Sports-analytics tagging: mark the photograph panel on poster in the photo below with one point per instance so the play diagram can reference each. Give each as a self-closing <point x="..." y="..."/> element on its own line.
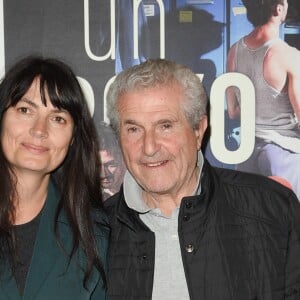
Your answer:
<point x="99" y="39"/>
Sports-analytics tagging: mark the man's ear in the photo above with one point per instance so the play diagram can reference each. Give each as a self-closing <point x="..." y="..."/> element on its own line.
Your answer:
<point x="199" y="132"/>
<point x="278" y="10"/>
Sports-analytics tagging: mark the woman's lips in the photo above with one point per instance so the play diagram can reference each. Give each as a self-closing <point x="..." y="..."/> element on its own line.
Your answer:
<point x="35" y="148"/>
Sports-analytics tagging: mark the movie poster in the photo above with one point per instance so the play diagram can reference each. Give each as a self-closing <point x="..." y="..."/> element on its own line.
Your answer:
<point x="100" y="38"/>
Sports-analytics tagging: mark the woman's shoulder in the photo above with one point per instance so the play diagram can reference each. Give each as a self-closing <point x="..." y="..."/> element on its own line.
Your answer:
<point x="101" y="230"/>
<point x="100" y="221"/>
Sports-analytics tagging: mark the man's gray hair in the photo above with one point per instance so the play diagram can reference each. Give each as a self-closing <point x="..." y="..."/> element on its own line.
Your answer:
<point x="157" y="73"/>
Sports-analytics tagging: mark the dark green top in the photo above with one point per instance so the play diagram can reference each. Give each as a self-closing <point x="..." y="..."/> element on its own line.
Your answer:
<point x="25" y="236"/>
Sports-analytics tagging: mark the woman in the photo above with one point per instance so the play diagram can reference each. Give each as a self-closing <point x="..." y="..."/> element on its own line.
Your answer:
<point x="53" y="234"/>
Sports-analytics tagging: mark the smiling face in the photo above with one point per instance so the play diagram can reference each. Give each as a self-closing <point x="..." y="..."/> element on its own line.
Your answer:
<point x="35" y="137"/>
<point x="159" y="146"/>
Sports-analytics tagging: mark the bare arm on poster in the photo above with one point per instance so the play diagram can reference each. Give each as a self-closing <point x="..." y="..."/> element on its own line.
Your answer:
<point x="233" y="105"/>
<point x="293" y="72"/>
<point x="286" y="77"/>
<point x="286" y="61"/>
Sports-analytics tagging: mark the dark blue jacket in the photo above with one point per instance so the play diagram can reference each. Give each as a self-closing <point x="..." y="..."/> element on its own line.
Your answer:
<point x="240" y="240"/>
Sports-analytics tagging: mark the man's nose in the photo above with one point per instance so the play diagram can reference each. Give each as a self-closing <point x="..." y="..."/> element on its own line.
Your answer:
<point x="151" y="143"/>
<point x="105" y="172"/>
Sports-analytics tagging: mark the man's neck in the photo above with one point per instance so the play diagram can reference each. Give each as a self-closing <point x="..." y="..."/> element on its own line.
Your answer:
<point x="167" y="202"/>
<point x="262" y="34"/>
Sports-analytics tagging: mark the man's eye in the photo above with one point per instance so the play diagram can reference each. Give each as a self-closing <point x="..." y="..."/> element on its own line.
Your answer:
<point x="112" y="165"/>
<point x="166" y="126"/>
<point x="132" y="129"/>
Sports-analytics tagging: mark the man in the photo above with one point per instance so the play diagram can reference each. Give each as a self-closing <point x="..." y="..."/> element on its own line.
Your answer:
<point x="274" y="69"/>
<point x="182" y="229"/>
<point x="112" y="164"/>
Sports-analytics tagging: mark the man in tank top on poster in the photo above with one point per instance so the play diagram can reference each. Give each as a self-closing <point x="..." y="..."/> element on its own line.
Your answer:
<point x="273" y="66"/>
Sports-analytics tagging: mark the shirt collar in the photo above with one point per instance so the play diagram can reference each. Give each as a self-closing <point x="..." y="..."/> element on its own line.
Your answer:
<point x="133" y="191"/>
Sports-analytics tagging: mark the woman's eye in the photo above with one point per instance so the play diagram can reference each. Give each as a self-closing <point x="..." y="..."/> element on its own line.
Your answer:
<point x="59" y="119"/>
<point x="23" y="110"/>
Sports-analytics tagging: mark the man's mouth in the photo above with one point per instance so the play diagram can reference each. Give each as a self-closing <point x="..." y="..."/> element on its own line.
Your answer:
<point x="156" y="164"/>
<point x="106" y="180"/>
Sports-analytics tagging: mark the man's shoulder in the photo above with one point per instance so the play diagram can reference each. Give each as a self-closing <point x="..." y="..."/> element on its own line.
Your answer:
<point x="112" y="203"/>
<point x="256" y="195"/>
<point x="249" y="181"/>
<point x="280" y="47"/>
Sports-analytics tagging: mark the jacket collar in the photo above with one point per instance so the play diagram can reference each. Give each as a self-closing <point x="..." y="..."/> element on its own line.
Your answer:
<point x="133" y="192"/>
<point x="200" y="203"/>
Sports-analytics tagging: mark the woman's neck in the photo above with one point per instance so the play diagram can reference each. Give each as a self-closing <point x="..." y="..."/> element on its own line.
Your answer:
<point x="32" y="192"/>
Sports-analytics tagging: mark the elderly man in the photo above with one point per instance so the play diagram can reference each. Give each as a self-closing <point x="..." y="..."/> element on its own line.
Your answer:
<point x="182" y="229"/>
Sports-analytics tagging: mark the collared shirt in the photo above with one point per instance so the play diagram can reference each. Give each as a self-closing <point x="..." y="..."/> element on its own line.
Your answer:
<point x="169" y="278"/>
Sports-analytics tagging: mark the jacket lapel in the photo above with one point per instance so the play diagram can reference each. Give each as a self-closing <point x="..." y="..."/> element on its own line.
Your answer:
<point x="46" y="250"/>
<point x="8" y="285"/>
<point x="43" y="258"/>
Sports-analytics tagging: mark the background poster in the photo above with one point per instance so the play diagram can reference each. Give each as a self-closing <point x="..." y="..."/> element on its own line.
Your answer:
<point x="99" y="38"/>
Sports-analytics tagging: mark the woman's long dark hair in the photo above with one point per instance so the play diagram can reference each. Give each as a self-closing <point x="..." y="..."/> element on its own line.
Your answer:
<point x="78" y="178"/>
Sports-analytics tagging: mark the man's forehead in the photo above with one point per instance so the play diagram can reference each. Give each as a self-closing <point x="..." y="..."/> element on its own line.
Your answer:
<point x="107" y="154"/>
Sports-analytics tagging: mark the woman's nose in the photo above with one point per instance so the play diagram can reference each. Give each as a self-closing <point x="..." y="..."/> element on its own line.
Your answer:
<point x="39" y="128"/>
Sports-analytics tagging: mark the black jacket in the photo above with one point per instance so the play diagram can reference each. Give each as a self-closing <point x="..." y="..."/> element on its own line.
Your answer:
<point x="240" y="240"/>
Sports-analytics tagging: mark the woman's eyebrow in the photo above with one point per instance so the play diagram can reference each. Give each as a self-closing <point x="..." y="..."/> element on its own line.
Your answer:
<point x="33" y="104"/>
<point x="29" y="102"/>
